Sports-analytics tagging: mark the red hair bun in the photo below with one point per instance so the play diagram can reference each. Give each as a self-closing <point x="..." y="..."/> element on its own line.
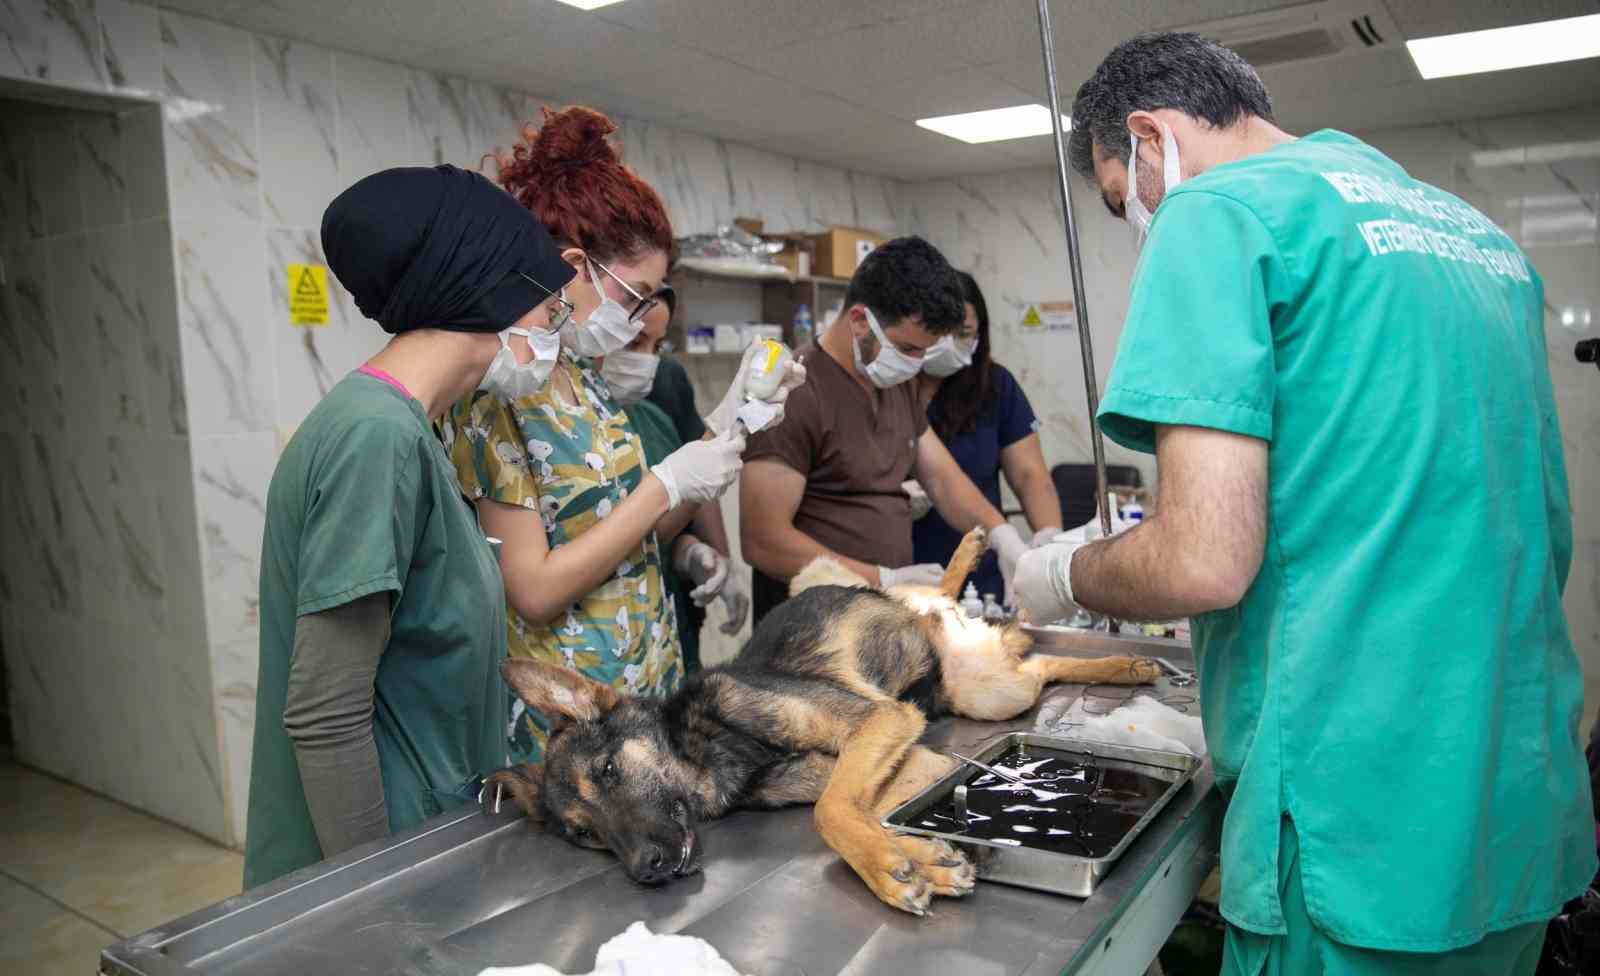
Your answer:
<point x="569" y="173"/>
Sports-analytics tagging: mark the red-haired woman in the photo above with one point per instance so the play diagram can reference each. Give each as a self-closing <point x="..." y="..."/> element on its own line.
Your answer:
<point x="559" y="475"/>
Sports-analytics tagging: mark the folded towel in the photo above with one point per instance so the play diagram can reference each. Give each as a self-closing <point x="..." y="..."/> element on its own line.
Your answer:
<point x="639" y="952"/>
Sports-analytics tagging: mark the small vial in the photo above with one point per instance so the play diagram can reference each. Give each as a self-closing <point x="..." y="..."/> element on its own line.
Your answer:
<point x="992" y="611"/>
<point x="970" y="604"/>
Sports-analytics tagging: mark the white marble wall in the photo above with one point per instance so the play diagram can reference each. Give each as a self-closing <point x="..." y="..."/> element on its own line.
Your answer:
<point x="1006" y="229"/>
<point x="260" y="133"/>
<point x="101" y="603"/>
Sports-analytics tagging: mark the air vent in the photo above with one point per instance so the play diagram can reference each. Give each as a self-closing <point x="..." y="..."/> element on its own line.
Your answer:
<point x="1308" y="32"/>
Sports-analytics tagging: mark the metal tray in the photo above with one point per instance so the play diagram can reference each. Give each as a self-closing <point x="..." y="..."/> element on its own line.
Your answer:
<point x="1063" y="874"/>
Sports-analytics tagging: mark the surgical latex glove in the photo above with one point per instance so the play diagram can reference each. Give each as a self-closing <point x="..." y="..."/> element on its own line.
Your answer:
<point x="707" y="567"/>
<point x="1007" y="544"/>
<point x="922" y="574"/>
<point x="721" y="419"/>
<point x="921" y="504"/>
<point x="1043" y="583"/>
<point x="1045" y="536"/>
<point x="701" y="471"/>
<point x="735" y="598"/>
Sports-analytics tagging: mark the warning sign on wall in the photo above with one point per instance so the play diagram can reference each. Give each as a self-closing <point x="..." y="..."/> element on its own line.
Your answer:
<point x="308" y="294"/>
<point x="1052" y="316"/>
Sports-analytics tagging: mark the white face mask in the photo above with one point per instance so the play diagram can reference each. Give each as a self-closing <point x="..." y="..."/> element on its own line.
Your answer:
<point x="511" y="380"/>
<point x="892" y="367"/>
<point x="948" y="356"/>
<point x="630" y="375"/>
<point x="1139" y="216"/>
<point x="607" y="328"/>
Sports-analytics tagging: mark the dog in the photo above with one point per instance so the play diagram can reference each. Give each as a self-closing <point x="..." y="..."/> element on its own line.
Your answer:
<point x="824" y="705"/>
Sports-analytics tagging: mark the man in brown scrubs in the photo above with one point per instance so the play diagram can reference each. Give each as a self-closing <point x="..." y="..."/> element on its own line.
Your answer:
<point x="827" y="481"/>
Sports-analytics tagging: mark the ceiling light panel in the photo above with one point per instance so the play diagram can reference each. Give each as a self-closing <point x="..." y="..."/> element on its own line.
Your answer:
<point x="1546" y="42"/>
<point x="995" y="124"/>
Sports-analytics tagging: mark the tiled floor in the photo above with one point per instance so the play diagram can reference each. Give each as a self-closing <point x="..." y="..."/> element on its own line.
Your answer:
<point x="79" y="872"/>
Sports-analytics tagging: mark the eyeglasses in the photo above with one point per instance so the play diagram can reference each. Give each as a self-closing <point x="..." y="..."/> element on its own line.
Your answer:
<point x="643" y="306"/>
<point x="563" y="313"/>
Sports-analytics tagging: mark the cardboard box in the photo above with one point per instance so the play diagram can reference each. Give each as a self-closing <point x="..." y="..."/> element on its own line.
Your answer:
<point x="729" y="339"/>
<point x="749" y="225"/>
<point x="797" y="253"/>
<point x="839" y="251"/>
<point x="701" y="340"/>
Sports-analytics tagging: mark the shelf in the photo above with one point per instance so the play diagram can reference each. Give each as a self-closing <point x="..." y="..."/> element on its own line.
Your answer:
<point x="756" y="276"/>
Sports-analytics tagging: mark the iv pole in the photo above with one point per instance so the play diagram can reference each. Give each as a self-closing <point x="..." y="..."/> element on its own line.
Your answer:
<point x="1091" y="387"/>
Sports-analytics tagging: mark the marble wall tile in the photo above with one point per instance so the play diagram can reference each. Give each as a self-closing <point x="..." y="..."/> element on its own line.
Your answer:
<point x="439" y="120"/>
<point x="235" y="707"/>
<point x="57" y="173"/>
<point x="155" y="298"/>
<point x="311" y="359"/>
<point x="57" y="43"/>
<point x="144" y="163"/>
<point x="102" y="167"/>
<point x="48" y="522"/>
<point x="210" y="112"/>
<point x="18" y="190"/>
<point x="374" y="130"/>
<point x="299" y="145"/>
<point x="130" y="47"/>
<point x="93" y="304"/>
<point x="46" y="657"/>
<point x="231" y="475"/>
<point x="34" y="399"/>
<point x="227" y="365"/>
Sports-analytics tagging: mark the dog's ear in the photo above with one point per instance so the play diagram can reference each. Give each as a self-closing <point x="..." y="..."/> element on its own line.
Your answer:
<point x="558" y="694"/>
<point x="520" y="783"/>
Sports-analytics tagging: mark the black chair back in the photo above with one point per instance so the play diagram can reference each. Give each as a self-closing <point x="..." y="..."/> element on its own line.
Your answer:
<point x="1075" y="484"/>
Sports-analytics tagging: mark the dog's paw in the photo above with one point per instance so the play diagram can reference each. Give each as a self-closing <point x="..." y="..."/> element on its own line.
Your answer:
<point x="947" y="869"/>
<point x="1144" y="672"/>
<point x="898" y="881"/>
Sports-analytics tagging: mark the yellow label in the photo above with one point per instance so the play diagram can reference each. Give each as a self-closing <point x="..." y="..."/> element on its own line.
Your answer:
<point x="774" y="350"/>
<point x="308" y="294"/>
<point x="1031" y="317"/>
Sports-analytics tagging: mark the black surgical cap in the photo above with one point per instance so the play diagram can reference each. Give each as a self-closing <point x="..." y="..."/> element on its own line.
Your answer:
<point x="439" y="248"/>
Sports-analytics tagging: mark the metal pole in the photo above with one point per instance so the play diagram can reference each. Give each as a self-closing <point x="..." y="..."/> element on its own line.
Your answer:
<point x="1091" y="386"/>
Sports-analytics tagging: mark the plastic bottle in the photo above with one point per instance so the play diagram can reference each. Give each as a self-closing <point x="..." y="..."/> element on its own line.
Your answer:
<point x="802" y="326"/>
<point x="1133" y="512"/>
<point x="992" y="611"/>
<point x="970" y="604"/>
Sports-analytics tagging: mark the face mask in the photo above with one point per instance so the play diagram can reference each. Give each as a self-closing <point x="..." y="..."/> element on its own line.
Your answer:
<point x="892" y="367"/>
<point x="511" y="380"/>
<point x="948" y="357"/>
<point x="605" y="331"/>
<point x="630" y="375"/>
<point x="1139" y="216"/>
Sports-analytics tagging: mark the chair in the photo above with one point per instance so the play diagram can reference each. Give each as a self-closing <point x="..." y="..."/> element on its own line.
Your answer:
<point x="1075" y="484"/>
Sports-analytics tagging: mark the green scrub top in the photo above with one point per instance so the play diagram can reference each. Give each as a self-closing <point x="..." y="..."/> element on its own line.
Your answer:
<point x="1398" y="681"/>
<point x="364" y="500"/>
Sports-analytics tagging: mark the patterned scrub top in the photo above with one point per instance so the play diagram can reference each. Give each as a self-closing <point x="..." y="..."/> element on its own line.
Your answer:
<point x="573" y="464"/>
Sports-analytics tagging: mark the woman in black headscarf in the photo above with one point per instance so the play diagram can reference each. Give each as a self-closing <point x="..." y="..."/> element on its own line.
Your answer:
<point x="382" y="609"/>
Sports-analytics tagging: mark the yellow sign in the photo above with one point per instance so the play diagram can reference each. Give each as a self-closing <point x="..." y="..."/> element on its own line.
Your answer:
<point x="1031" y="319"/>
<point x="308" y="294"/>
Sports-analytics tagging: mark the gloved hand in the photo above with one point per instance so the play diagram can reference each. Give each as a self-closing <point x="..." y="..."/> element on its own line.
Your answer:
<point x="1045" y="535"/>
<point x="1007" y="544"/>
<point x="707" y="567"/>
<point x="922" y="574"/>
<point x="701" y="471"/>
<point x="1043" y="583"/>
<point x="735" y="598"/>
<point x="921" y="504"/>
<point x="721" y="419"/>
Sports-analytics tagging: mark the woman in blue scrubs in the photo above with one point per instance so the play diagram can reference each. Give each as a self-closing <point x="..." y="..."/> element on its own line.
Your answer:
<point x="979" y="411"/>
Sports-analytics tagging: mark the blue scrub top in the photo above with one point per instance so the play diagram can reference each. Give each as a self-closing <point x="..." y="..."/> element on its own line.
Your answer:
<point x="1004" y="420"/>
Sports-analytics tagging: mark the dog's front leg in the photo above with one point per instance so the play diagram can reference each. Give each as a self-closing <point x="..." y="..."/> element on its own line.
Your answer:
<point x="846" y="814"/>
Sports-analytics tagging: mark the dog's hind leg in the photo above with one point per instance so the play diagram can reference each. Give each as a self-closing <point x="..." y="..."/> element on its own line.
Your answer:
<point x="846" y="813"/>
<point x="973" y="545"/>
<point x="1052" y="669"/>
<point x="947" y="869"/>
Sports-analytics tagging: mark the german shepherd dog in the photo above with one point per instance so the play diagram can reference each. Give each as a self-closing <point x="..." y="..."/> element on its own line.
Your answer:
<point x="824" y="705"/>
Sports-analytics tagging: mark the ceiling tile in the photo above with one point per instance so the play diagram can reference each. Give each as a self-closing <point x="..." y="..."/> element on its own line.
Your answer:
<point x="1428" y="18"/>
<point x="847" y="63"/>
<point x="945" y="93"/>
<point x="727" y="27"/>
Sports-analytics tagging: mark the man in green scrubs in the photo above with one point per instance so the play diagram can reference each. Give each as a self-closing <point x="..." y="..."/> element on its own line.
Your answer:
<point x="1363" y="506"/>
<point x="382" y="607"/>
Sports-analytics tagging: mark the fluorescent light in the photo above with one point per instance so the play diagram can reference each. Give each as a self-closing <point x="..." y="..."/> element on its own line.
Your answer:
<point x="1546" y="42"/>
<point x="995" y="124"/>
<point x="588" y="4"/>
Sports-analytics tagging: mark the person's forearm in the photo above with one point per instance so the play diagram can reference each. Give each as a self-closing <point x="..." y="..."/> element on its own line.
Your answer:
<point x="674" y="522"/>
<point x="781" y="552"/>
<point x="541" y="586"/>
<point x="959" y="502"/>
<point x="328" y="716"/>
<point x="1142" y="574"/>
<point x="1040" y="503"/>
<point x="710" y="527"/>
